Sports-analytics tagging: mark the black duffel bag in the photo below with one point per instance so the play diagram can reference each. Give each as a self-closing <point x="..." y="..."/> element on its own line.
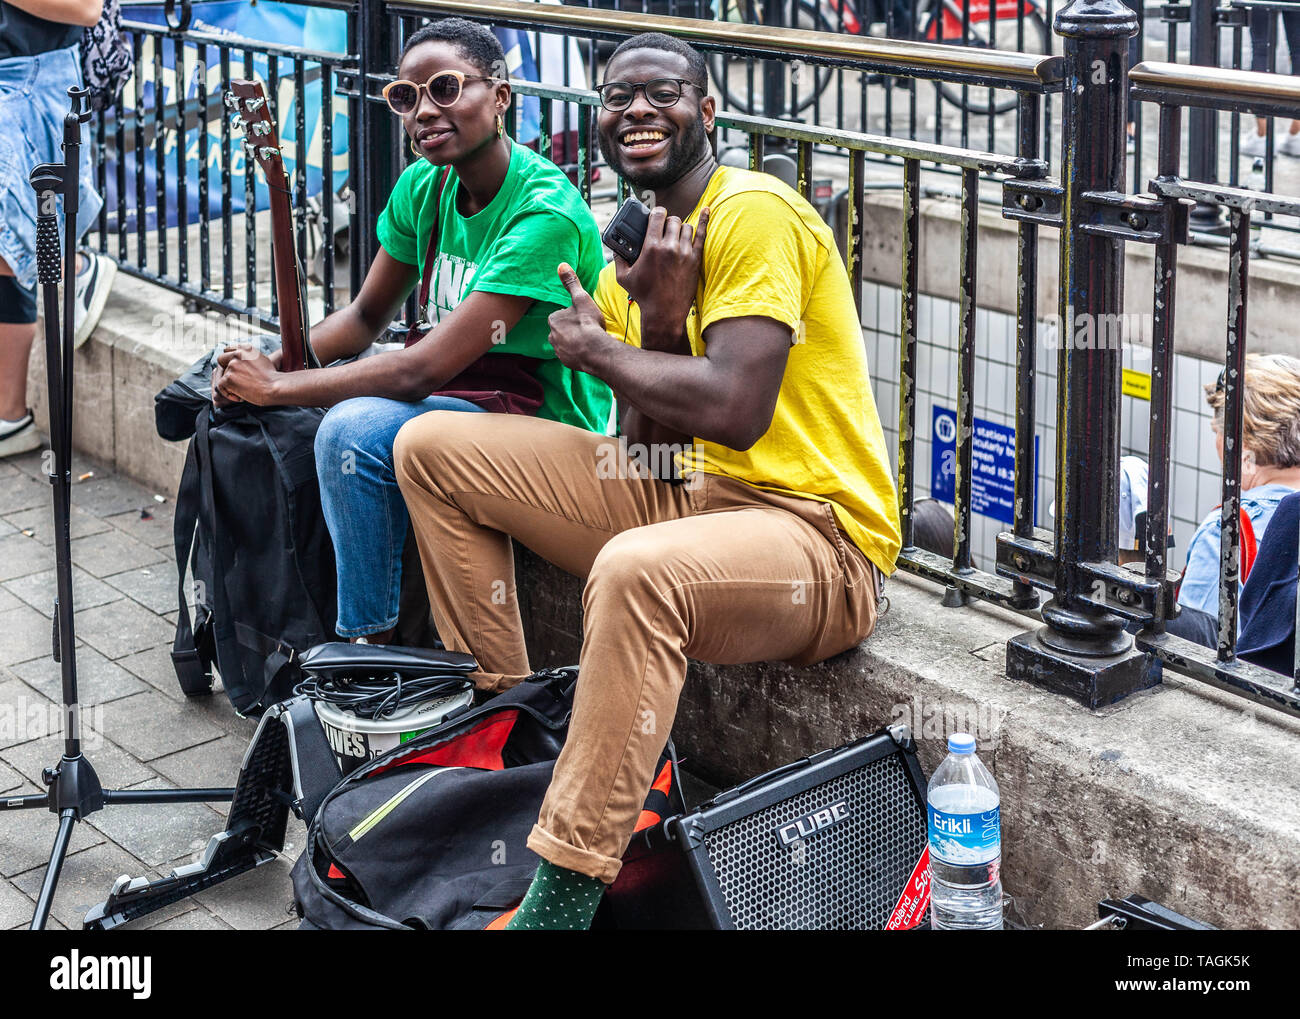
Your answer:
<point x="432" y="835"/>
<point x="250" y="527"/>
<point x="249" y="521"/>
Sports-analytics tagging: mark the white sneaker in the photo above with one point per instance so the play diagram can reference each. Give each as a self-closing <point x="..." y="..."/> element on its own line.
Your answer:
<point x="93" y="283"/>
<point x="1290" y="146"/>
<point x="1253" y="144"/>
<point x="18" y="436"/>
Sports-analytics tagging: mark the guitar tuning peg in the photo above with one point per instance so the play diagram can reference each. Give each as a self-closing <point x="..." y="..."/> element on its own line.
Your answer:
<point x="253" y="105"/>
<point x="260" y="127"/>
<point x="237" y="122"/>
<point x="229" y="99"/>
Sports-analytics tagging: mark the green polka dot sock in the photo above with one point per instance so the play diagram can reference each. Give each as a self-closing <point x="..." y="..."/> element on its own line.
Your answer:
<point x="558" y="900"/>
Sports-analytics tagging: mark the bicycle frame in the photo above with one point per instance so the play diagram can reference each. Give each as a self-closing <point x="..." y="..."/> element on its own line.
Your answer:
<point x="950" y="19"/>
<point x="845" y="13"/>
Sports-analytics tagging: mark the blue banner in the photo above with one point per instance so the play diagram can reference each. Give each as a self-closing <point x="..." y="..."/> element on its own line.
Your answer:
<point x="993" y="472"/>
<point x="284" y="24"/>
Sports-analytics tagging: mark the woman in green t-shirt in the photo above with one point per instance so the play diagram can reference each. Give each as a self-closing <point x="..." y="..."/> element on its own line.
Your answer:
<point x="507" y="217"/>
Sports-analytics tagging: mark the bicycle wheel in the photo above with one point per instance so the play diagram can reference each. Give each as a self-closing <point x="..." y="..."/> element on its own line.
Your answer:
<point x="805" y="87"/>
<point x="978" y="100"/>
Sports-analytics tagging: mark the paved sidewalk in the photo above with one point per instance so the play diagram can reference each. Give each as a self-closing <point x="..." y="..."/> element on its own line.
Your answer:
<point x="140" y="730"/>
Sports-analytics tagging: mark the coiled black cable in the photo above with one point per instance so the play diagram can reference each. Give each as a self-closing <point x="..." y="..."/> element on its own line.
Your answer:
<point x="381" y="696"/>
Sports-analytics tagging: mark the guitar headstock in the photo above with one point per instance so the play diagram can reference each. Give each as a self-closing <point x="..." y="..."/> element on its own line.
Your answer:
<point x="247" y="101"/>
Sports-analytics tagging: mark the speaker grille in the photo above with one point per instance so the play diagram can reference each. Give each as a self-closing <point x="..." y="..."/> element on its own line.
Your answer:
<point x="847" y="876"/>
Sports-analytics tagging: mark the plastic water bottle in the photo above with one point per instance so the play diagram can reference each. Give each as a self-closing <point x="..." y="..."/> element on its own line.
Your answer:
<point x="962" y="808"/>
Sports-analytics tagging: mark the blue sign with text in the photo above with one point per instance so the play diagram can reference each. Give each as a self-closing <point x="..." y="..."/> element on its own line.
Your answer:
<point x="993" y="460"/>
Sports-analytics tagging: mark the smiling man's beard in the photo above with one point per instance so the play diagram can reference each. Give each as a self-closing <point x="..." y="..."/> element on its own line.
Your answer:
<point x="685" y="151"/>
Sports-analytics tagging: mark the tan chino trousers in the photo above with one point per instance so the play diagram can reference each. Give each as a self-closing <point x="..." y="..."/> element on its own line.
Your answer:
<point x="710" y="568"/>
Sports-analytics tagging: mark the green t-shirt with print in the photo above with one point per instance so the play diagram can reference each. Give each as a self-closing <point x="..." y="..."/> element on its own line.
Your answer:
<point x="511" y="246"/>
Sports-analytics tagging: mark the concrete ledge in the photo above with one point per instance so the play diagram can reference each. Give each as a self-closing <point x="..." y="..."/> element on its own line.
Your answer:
<point x="1182" y="794"/>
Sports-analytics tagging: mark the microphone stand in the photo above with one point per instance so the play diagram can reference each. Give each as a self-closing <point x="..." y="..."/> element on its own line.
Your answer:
<point x="74" y="789"/>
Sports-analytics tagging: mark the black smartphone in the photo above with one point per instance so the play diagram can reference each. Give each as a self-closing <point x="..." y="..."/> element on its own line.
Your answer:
<point x="626" y="231"/>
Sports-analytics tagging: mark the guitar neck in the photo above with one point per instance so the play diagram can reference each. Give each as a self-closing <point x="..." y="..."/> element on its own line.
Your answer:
<point x="262" y="146"/>
<point x="288" y="281"/>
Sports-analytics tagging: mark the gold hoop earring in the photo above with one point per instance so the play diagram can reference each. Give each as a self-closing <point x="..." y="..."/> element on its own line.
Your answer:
<point x="414" y="151"/>
<point x="501" y="126"/>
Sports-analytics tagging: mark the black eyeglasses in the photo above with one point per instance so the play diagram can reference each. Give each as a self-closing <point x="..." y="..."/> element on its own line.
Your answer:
<point x="616" y="96"/>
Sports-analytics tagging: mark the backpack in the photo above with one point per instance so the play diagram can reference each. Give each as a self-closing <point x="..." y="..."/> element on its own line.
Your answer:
<point x="105" y="58"/>
<point x="432" y="835"/>
<point x="250" y="527"/>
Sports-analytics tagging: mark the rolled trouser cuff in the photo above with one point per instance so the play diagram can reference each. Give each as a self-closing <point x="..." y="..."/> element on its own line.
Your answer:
<point x="584" y="861"/>
<point x="495" y="682"/>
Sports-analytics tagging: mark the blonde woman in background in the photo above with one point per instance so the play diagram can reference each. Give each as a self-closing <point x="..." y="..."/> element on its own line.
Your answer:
<point x="1270" y="471"/>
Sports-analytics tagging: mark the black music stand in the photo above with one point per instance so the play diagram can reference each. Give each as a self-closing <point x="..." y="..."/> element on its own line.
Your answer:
<point x="74" y="789"/>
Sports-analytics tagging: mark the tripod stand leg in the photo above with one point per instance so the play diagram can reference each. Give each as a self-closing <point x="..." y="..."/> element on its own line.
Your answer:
<point x="169" y="796"/>
<point x="67" y="819"/>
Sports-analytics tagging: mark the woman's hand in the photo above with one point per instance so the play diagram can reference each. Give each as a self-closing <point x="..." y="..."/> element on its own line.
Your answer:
<point x="244" y="374"/>
<point x="218" y="398"/>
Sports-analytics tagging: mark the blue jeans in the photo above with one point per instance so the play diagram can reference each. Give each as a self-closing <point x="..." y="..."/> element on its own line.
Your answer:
<point x="33" y="103"/>
<point x="363" y="505"/>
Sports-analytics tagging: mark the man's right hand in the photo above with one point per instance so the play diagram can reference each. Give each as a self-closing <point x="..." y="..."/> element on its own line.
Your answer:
<point x="664" y="278"/>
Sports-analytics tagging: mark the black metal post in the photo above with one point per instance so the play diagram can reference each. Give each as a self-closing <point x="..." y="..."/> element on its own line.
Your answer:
<point x="1234" y="385"/>
<point x="373" y="129"/>
<point x="1026" y="483"/>
<point x="774" y="73"/>
<point x="1083" y="650"/>
<point x="1203" y="124"/>
<point x="1162" y="381"/>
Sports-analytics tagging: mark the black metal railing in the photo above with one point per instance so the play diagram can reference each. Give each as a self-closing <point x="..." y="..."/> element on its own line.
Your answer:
<point x="829" y="94"/>
<point x="1173" y="88"/>
<point x="789" y="87"/>
<point x="1216" y="39"/>
<point x="173" y="174"/>
<point x="1084" y="648"/>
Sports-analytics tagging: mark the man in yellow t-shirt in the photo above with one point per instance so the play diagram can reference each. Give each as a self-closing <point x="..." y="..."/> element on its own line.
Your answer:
<point x="747" y="510"/>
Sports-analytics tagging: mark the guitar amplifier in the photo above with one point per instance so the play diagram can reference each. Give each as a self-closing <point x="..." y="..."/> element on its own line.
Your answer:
<point x="836" y="841"/>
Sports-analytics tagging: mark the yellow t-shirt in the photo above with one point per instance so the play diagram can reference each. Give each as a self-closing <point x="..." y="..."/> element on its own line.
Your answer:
<point x="768" y="253"/>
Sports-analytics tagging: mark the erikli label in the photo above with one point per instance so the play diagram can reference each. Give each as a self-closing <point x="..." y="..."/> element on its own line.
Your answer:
<point x="964" y="839"/>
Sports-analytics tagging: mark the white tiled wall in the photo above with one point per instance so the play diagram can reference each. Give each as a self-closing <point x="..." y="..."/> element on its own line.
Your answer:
<point x="1194" y="477"/>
